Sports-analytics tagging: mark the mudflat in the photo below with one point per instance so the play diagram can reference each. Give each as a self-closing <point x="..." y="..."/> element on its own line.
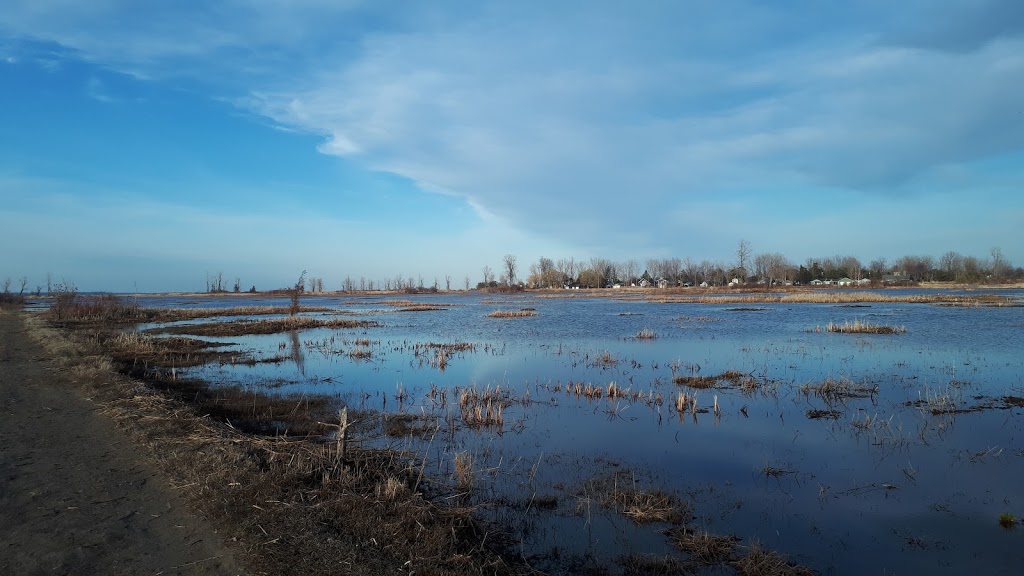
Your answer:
<point x="75" y="496"/>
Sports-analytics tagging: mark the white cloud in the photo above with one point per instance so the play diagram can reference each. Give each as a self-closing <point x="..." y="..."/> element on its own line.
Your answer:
<point x="595" y="119"/>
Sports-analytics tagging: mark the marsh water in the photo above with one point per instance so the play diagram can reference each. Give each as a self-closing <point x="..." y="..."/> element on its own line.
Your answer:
<point x="905" y="470"/>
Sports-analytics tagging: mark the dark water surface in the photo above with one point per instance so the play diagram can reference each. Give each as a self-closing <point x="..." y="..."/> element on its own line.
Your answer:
<point x="911" y="478"/>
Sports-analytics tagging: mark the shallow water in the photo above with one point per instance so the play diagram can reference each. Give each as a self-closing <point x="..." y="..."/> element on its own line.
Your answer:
<point x="921" y="492"/>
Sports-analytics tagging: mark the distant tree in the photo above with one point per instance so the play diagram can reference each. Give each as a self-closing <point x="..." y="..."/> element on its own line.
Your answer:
<point x="1000" y="265"/>
<point x="743" y="252"/>
<point x="466" y="284"/>
<point x="238" y="284"/>
<point x="878" y="268"/>
<point x="252" y="290"/>
<point x="488" y="275"/>
<point x="7" y="285"/>
<point x="509" y="261"/>
<point x="23" y="281"/>
<point x="803" y="275"/>
<point x="448" y="283"/>
<point x="296" y="292"/>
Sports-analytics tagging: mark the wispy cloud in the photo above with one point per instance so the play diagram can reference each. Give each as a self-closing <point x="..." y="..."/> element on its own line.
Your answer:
<point x="597" y="119"/>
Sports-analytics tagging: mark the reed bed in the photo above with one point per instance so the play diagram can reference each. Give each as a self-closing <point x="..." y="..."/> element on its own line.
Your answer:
<point x="273" y="326"/>
<point x="483" y="408"/>
<point x="136" y="348"/>
<point x="646" y="334"/>
<point x="858" y="327"/>
<point x="523" y="313"/>
<point x="178" y="314"/>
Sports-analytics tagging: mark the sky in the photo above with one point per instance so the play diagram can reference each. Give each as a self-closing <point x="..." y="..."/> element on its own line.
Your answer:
<point x="147" y="144"/>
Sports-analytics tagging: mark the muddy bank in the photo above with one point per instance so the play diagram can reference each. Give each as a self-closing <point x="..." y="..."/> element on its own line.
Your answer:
<point x="74" y="495"/>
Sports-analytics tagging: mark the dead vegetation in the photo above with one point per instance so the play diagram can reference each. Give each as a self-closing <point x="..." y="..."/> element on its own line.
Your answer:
<point x="727" y="378"/>
<point x="837" y="297"/>
<point x="270" y="474"/>
<point x="272" y="326"/>
<point x="523" y="313"/>
<point x="833" y="390"/>
<point x="620" y="492"/>
<point x="858" y="327"/>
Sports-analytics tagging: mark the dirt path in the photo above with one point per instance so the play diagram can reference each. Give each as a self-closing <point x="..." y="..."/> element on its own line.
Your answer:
<point x="74" y="496"/>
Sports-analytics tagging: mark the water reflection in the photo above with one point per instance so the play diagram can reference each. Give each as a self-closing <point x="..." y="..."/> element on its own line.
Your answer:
<point x="820" y="445"/>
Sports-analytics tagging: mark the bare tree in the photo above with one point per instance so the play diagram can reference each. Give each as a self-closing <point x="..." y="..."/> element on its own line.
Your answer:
<point x="1000" y="265"/>
<point x="23" y="281"/>
<point x="7" y="285"/>
<point x="691" y="269"/>
<point x="467" y="282"/>
<point x="448" y="282"/>
<point x="488" y="275"/>
<point x="567" y="269"/>
<point x="509" y="262"/>
<point x="629" y="268"/>
<point x="743" y="252"/>
<point x="295" y="292"/>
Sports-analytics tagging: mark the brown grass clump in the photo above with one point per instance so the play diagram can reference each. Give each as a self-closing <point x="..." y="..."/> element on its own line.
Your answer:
<point x="603" y="360"/>
<point x="524" y="313"/>
<point x="759" y="561"/>
<point x="701" y="382"/>
<point x="837" y="389"/>
<point x="483" y="408"/>
<point x="274" y="326"/>
<point x="702" y="546"/>
<point x="858" y="327"/>
<point x="619" y="492"/>
<point x="646" y="334"/>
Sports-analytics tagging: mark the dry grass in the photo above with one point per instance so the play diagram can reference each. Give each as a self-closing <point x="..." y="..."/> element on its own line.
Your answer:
<point x="524" y="313"/>
<point x="646" y="334"/>
<point x="288" y="502"/>
<point x="759" y="561"/>
<point x="619" y="492"/>
<point x="702" y="546"/>
<point x="858" y="327"/>
<point x="274" y="326"/>
<point x="837" y="389"/>
<point x="464" y="474"/>
<point x="179" y="314"/>
<point x="837" y="297"/>
<point x="483" y="408"/>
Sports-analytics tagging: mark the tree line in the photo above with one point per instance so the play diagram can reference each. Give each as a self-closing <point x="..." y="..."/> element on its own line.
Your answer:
<point x="748" y="267"/>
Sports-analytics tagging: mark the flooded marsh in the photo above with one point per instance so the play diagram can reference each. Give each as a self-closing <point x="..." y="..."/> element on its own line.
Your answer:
<point x="672" y="433"/>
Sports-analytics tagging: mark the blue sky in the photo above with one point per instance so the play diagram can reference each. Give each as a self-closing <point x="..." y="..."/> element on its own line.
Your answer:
<point x="145" y="144"/>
